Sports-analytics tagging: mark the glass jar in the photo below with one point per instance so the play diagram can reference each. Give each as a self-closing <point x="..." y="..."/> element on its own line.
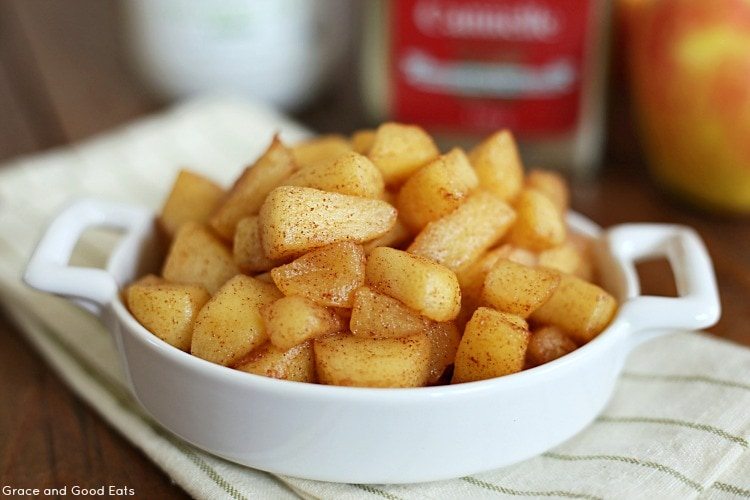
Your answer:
<point x="466" y="68"/>
<point x="278" y="51"/>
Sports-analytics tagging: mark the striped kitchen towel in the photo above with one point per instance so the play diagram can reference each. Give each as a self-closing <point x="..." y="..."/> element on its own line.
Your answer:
<point x="678" y="424"/>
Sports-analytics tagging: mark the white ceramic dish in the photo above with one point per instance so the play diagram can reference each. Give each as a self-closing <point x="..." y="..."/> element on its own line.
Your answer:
<point x="358" y="435"/>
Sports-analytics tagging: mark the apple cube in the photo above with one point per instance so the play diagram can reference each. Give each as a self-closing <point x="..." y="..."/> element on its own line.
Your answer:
<point x="327" y="276"/>
<point x="421" y="284"/>
<point x="197" y="257"/>
<point x="167" y="310"/>
<point x="230" y="325"/>
<point x="193" y="198"/>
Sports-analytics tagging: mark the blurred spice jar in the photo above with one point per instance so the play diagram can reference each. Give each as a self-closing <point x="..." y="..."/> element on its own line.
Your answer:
<point x="689" y="64"/>
<point x="464" y="68"/>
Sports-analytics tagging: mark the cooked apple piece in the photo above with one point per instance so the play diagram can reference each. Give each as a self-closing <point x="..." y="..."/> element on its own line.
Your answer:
<point x="265" y="278"/>
<point x="472" y="277"/>
<point x="490" y="347"/>
<point x="295" y="220"/>
<point x="539" y="224"/>
<point x="423" y="285"/>
<point x="518" y="289"/>
<point x="193" y="198"/>
<point x="248" y="248"/>
<point x="399" y="150"/>
<point x="149" y="279"/>
<point x="296" y="363"/>
<point x="343" y="359"/>
<point x="460" y="238"/>
<point x="469" y="303"/>
<point x="584" y="245"/>
<point x="581" y="309"/>
<point x="293" y="320"/>
<point x="436" y="189"/>
<point x="376" y="315"/>
<point x="362" y="141"/>
<point x="252" y="187"/>
<point x="197" y="257"/>
<point x="230" y="325"/>
<point x="351" y="174"/>
<point x="320" y="149"/>
<point x="444" y="339"/>
<point x="552" y="185"/>
<point x="167" y="310"/>
<point x="327" y="276"/>
<point x="513" y="319"/>
<point x="396" y="236"/>
<point x="564" y="258"/>
<point x="547" y="344"/>
<point x="345" y="313"/>
<point x="498" y="165"/>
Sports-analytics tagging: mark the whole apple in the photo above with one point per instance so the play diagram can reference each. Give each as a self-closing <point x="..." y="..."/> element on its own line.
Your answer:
<point x="689" y="64"/>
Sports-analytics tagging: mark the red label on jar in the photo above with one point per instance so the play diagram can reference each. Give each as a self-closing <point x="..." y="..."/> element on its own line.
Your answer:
<point x="482" y="65"/>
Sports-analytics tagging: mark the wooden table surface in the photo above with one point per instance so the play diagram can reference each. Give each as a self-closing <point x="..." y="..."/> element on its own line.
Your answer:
<point x="64" y="77"/>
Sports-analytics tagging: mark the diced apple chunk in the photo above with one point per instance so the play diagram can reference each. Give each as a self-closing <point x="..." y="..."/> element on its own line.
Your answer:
<point x="552" y="185"/>
<point x="197" y="257"/>
<point x="343" y="359"/>
<point x="436" y="189"/>
<point x="193" y="198"/>
<point x="295" y="220"/>
<point x="293" y="320"/>
<point x="444" y="339"/>
<point x="230" y="325"/>
<point x="320" y="149"/>
<point x="248" y="248"/>
<point x="518" y="289"/>
<point x="376" y="315"/>
<point x="396" y="236"/>
<point x="421" y="284"/>
<point x="490" y="347"/>
<point x="399" y="150"/>
<point x="252" y="187"/>
<point x="351" y="174"/>
<point x="581" y="309"/>
<point x="460" y="238"/>
<point x="498" y="165"/>
<point x="167" y="310"/>
<point x="327" y="276"/>
<point x="547" y="344"/>
<point x="296" y="363"/>
<point x="362" y="141"/>
<point x="539" y="224"/>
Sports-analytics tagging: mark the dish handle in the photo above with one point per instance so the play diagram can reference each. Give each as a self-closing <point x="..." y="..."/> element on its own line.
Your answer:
<point x="697" y="302"/>
<point x="90" y="288"/>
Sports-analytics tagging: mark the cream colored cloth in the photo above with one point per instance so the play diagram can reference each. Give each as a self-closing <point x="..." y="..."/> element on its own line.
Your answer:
<point x="678" y="425"/>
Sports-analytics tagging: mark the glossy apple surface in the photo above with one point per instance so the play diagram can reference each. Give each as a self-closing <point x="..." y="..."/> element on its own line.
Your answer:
<point x="689" y="63"/>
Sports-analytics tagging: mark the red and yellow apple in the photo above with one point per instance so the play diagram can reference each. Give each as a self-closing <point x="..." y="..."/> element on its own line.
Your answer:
<point x="689" y="65"/>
